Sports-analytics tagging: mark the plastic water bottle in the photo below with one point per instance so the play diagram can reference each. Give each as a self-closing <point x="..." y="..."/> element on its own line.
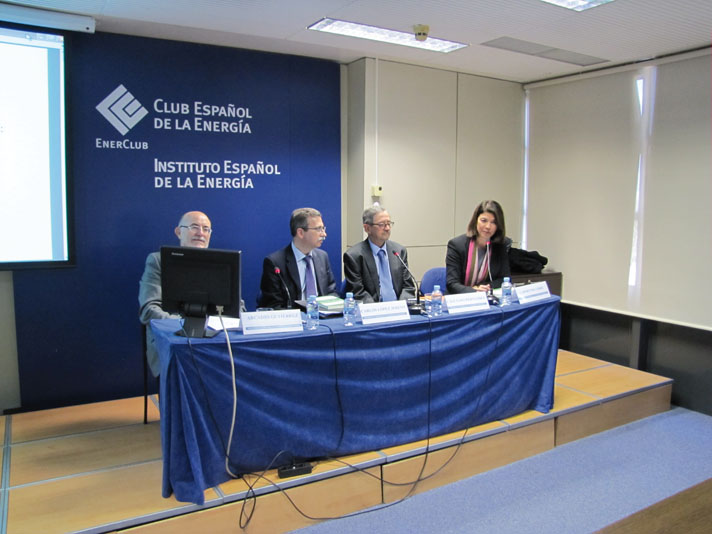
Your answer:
<point x="436" y="302"/>
<point x="506" y="292"/>
<point x="349" y="309"/>
<point x="312" y="313"/>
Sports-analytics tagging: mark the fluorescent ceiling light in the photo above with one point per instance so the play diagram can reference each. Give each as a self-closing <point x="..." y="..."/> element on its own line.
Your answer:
<point x="46" y="19"/>
<point x="363" y="31"/>
<point x="577" y="5"/>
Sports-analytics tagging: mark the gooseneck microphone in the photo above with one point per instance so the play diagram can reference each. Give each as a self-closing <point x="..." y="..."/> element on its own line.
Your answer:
<point x="490" y="292"/>
<point x="489" y="271"/>
<point x="417" y="291"/>
<point x="278" y="272"/>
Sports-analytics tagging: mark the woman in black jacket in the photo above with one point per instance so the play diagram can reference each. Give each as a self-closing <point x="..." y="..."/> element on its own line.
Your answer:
<point x="477" y="260"/>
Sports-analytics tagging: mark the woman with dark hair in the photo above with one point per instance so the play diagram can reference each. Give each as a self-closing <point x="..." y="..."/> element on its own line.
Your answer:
<point x="477" y="260"/>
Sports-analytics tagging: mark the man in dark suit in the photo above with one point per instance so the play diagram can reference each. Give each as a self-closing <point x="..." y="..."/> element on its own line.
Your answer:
<point x="300" y="269"/>
<point x="373" y="272"/>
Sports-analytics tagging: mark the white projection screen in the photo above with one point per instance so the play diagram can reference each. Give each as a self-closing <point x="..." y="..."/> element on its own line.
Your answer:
<point x="33" y="169"/>
<point x="620" y="189"/>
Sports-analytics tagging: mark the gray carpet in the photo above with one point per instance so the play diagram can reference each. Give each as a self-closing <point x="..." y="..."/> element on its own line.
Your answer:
<point x="579" y="487"/>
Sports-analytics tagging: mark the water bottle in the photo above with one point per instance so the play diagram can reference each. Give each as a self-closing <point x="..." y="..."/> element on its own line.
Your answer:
<point x="312" y="313"/>
<point x="506" y="292"/>
<point x="436" y="302"/>
<point x="349" y="309"/>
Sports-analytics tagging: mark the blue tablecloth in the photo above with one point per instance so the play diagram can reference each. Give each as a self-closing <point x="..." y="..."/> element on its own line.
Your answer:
<point x="342" y="390"/>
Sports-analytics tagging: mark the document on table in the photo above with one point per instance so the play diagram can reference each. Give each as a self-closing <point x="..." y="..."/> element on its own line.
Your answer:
<point x="231" y="323"/>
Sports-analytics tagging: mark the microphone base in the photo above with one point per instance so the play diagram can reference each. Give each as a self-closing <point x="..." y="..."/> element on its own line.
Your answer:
<point x="415" y="308"/>
<point x="493" y="301"/>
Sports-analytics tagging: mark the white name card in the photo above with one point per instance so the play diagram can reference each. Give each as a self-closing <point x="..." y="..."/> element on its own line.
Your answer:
<point x="533" y="292"/>
<point x="466" y="302"/>
<point x="271" y="322"/>
<point x="384" y="312"/>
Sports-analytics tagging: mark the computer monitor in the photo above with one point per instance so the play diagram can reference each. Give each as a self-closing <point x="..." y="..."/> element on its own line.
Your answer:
<point x="194" y="281"/>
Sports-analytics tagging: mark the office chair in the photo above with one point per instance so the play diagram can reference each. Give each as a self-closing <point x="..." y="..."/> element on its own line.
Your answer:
<point x="432" y="277"/>
<point x="342" y="289"/>
<point x="145" y="374"/>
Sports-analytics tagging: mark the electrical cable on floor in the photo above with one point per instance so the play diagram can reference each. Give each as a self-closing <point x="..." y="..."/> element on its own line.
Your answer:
<point x="414" y="484"/>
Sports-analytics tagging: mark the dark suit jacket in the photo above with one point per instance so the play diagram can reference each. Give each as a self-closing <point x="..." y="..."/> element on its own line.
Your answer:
<point x="456" y="263"/>
<point x="273" y="290"/>
<point x="362" y="274"/>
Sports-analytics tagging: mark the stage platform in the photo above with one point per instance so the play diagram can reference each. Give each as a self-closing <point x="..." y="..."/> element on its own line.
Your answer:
<point x="98" y="468"/>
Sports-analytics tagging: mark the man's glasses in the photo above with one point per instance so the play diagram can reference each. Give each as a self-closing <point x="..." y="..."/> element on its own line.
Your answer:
<point x="319" y="229"/>
<point x="197" y="228"/>
<point x="383" y="224"/>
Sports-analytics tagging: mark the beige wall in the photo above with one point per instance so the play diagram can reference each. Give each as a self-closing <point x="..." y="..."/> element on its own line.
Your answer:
<point x="9" y="378"/>
<point x="438" y="142"/>
<point x="490" y="149"/>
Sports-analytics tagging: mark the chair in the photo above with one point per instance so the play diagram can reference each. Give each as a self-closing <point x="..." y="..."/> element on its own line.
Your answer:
<point x="342" y="289"/>
<point x="145" y="375"/>
<point x="431" y="278"/>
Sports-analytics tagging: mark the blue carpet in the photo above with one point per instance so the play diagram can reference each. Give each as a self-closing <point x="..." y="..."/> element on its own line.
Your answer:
<point x="579" y="487"/>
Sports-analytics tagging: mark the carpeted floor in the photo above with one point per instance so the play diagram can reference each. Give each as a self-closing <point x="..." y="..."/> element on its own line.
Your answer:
<point x="579" y="487"/>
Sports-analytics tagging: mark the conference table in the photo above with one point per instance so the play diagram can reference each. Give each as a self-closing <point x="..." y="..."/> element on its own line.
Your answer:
<point x="341" y="390"/>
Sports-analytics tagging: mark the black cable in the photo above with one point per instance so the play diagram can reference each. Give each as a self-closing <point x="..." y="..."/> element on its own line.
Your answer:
<point x="491" y="358"/>
<point x="460" y="442"/>
<point x="414" y="484"/>
<point x="336" y="386"/>
<point x="251" y="496"/>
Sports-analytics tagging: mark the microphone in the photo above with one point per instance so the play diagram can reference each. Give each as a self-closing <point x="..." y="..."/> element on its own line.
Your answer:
<point x="490" y="291"/>
<point x="417" y="291"/>
<point x="489" y="271"/>
<point x="278" y="272"/>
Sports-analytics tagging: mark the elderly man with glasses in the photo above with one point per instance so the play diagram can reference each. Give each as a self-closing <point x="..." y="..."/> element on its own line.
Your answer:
<point x="373" y="270"/>
<point x="300" y="269"/>
<point x="193" y="230"/>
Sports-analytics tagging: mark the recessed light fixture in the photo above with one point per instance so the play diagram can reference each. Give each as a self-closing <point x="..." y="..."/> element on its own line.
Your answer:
<point x="374" y="33"/>
<point x="540" y="50"/>
<point x="577" y="5"/>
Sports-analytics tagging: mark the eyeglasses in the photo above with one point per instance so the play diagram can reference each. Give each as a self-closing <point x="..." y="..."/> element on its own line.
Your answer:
<point x="383" y="224"/>
<point x="319" y="229"/>
<point x="197" y="228"/>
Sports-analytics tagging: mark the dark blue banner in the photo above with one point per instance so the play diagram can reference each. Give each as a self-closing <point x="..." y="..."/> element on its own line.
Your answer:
<point x="158" y="128"/>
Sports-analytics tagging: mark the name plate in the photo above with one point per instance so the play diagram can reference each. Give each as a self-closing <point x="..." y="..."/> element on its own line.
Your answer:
<point x="533" y="292"/>
<point x="384" y="312"/>
<point x="466" y="302"/>
<point x="271" y="322"/>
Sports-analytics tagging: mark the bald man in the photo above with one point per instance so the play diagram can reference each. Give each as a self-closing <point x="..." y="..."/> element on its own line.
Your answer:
<point x="193" y="230"/>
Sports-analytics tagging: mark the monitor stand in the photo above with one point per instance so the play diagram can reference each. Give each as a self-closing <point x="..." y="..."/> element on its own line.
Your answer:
<point x="196" y="327"/>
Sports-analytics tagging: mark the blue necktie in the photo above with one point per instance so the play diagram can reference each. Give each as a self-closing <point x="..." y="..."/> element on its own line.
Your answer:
<point x="310" y="283"/>
<point x="387" y="292"/>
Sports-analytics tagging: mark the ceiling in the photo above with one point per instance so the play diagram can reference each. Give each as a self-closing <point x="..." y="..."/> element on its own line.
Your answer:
<point x="621" y="32"/>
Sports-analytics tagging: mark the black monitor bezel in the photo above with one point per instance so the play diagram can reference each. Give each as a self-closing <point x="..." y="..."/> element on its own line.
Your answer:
<point x="193" y="276"/>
